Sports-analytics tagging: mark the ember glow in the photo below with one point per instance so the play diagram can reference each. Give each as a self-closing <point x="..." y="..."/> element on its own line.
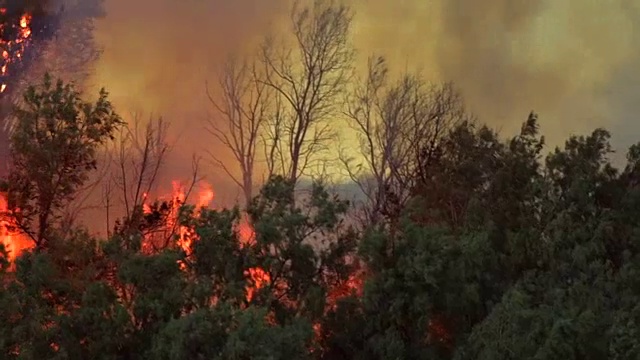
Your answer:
<point x="171" y="226"/>
<point x="14" y="242"/>
<point x="13" y="49"/>
<point x="185" y="236"/>
<point x="258" y="278"/>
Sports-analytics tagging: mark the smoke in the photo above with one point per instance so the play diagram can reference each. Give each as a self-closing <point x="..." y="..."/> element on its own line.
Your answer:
<point x="57" y="38"/>
<point x="157" y="56"/>
<point x="563" y="59"/>
<point x="575" y="62"/>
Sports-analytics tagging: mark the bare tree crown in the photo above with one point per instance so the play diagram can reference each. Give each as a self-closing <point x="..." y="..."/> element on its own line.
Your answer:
<point x="242" y="108"/>
<point x="398" y="123"/>
<point x="309" y="80"/>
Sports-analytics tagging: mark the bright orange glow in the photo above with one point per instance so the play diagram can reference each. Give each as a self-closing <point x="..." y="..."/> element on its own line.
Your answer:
<point x="15" y="243"/>
<point x="18" y="45"/>
<point x="186" y="236"/>
<point x="205" y="195"/>
<point x="246" y="233"/>
<point x="258" y="278"/>
<point x="353" y="286"/>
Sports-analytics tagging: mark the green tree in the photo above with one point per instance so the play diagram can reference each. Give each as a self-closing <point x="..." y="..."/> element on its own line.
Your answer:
<point x="193" y="302"/>
<point x="566" y="305"/>
<point x="53" y="151"/>
<point x="498" y="255"/>
<point x="305" y="249"/>
<point x="457" y="251"/>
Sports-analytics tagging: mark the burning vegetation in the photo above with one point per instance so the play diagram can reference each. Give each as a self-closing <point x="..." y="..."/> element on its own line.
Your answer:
<point x="466" y="245"/>
<point x="13" y="50"/>
<point x="14" y="241"/>
<point x="22" y="23"/>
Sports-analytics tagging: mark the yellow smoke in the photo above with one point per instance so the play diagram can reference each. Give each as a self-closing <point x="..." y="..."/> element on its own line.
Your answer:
<point x="563" y="59"/>
<point x="558" y="58"/>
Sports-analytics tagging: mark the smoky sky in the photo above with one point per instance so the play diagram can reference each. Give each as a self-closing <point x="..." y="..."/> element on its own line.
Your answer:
<point x="574" y="62"/>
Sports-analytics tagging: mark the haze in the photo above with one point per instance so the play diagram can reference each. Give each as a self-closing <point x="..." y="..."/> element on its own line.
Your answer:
<point x="575" y="62"/>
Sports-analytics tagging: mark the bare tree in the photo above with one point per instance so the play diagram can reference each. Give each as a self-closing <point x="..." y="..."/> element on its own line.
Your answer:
<point x="309" y="80"/>
<point x="399" y="124"/>
<point x="142" y="152"/>
<point x="87" y="198"/>
<point x="243" y="106"/>
<point x="271" y="139"/>
<point x="140" y="157"/>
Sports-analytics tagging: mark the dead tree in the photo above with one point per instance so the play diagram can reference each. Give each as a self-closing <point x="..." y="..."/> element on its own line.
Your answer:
<point x="242" y="106"/>
<point x="308" y="80"/>
<point x="141" y="153"/>
<point x="138" y="159"/>
<point x="140" y="156"/>
<point x="87" y="197"/>
<point x="398" y="123"/>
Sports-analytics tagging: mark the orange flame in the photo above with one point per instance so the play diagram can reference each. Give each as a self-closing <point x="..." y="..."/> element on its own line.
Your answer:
<point x="259" y="279"/>
<point x="15" y="242"/>
<point x="246" y="233"/>
<point x="185" y="236"/>
<point x="205" y="195"/>
<point x="18" y="45"/>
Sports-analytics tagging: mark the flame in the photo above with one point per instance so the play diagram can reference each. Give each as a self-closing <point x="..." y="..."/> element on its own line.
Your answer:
<point x="246" y="233"/>
<point x="258" y="279"/>
<point x="354" y="285"/>
<point x="15" y="46"/>
<point x="15" y="242"/>
<point x="205" y="195"/>
<point x="186" y="236"/>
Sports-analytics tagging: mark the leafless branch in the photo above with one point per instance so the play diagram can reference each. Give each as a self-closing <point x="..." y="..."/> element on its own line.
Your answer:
<point x="242" y="108"/>
<point x="107" y="191"/>
<point x="85" y="199"/>
<point x="271" y="139"/>
<point x="308" y="81"/>
<point x="141" y="154"/>
<point x="397" y="122"/>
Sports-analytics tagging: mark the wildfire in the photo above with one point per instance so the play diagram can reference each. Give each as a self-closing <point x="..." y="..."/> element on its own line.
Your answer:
<point x="15" y="242"/>
<point x="204" y="198"/>
<point x="185" y="236"/>
<point x="259" y="279"/>
<point x="246" y="233"/>
<point x="13" y="50"/>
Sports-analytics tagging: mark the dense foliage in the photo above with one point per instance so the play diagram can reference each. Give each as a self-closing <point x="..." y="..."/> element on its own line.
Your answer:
<point x="500" y="254"/>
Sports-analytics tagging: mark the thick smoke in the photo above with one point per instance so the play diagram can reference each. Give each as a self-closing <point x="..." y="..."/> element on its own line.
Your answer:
<point x="571" y="61"/>
<point x="575" y="62"/>
<point x="157" y="56"/>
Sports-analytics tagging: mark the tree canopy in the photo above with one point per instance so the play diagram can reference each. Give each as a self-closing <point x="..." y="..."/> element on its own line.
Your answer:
<point x="495" y="251"/>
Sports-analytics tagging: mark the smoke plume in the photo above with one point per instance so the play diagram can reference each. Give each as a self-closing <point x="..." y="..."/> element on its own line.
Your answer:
<point x="563" y="59"/>
<point x="575" y="62"/>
